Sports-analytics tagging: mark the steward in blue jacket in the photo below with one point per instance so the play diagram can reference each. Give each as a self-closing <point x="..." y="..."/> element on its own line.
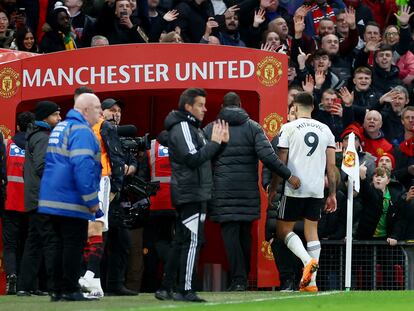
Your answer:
<point x="70" y="181"/>
<point x="69" y="192"/>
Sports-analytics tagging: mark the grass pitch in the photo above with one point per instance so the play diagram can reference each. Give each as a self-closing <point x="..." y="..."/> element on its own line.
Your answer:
<point x="224" y="301"/>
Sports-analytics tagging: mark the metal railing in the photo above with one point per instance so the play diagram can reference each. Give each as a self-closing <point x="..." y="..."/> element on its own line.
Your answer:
<point x="375" y="266"/>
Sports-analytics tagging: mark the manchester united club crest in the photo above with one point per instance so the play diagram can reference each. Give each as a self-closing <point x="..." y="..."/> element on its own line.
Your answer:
<point x="272" y="124"/>
<point x="380" y="152"/>
<point x="349" y="159"/>
<point x="9" y="82"/>
<point x="5" y="131"/>
<point x="266" y="250"/>
<point x="269" y="71"/>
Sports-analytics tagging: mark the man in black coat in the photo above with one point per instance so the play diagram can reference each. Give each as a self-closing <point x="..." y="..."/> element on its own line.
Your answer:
<point x="192" y="18"/>
<point x="191" y="180"/>
<point x="39" y="239"/>
<point x="236" y="198"/>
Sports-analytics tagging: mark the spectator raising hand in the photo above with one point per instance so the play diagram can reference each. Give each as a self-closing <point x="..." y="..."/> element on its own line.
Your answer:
<point x="259" y="17"/>
<point x="170" y="15"/>
<point x="371" y="46"/>
<point x="299" y="25"/>
<point x="347" y="97"/>
<point x="404" y="15"/>
<point x="302" y="11"/>
<point x="389" y="97"/>
<point x="308" y="84"/>
<point x="350" y="17"/>
<point x="211" y="23"/>
<point x="302" y="58"/>
<point x="320" y="78"/>
<point x="231" y="10"/>
<point x="268" y="46"/>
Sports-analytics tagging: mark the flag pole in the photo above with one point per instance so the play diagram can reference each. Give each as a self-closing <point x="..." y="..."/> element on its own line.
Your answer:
<point x="349" y="210"/>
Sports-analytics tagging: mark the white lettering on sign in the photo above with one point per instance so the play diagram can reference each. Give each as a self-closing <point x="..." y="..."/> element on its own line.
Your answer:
<point x="138" y="73"/>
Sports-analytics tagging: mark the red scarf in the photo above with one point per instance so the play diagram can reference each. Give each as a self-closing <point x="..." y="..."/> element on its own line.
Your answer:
<point x="318" y="14"/>
<point x="407" y="147"/>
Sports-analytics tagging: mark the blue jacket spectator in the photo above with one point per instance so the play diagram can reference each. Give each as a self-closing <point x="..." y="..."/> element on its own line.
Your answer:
<point x="73" y="154"/>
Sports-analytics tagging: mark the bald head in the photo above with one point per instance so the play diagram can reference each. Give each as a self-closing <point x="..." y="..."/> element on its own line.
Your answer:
<point x="89" y="106"/>
<point x="373" y="123"/>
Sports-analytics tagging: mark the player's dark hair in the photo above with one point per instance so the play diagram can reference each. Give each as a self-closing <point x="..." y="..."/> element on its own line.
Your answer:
<point x="188" y="97"/>
<point x="303" y="99"/>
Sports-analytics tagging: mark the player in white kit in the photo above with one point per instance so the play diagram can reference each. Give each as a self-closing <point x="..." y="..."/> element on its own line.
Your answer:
<point x="307" y="147"/>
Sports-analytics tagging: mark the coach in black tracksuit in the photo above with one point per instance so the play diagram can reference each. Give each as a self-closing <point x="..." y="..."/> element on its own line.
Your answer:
<point x="191" y="181"/>
<point x="236" y="198"/>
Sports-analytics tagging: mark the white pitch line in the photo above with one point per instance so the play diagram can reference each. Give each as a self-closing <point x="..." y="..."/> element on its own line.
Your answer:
<point x="186" y="305"/>
<point x="180" y="304"/>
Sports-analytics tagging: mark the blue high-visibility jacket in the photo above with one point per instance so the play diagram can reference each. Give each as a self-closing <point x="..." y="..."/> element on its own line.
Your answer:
<point x="70" y="181"/>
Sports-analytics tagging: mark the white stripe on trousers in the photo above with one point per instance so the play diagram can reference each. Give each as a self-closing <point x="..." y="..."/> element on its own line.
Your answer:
<point x="192" y="251"/>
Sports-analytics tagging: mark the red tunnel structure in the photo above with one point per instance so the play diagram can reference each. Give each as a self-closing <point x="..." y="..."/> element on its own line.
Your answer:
<point x="149" y="78"/>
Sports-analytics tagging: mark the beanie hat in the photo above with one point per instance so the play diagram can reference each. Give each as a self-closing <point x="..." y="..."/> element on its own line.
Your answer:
<point x="390" y="156"/>
<point x="353" y="127"/>
<point x="44" y="109"/>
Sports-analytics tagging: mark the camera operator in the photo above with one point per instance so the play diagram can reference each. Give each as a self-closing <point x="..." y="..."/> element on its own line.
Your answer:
<point x="118" y="239"/>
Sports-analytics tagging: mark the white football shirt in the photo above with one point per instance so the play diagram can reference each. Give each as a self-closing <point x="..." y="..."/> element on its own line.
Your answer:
<point x="307" y="141"/>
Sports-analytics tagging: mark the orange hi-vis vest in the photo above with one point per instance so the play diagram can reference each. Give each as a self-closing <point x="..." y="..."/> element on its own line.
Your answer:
<point x="159" y="164"/>
<point x="15" y="182"/>
<point x="105" y="162"/>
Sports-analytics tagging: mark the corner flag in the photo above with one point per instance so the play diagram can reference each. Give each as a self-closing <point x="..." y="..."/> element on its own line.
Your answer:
<point x="350" y="165"/>
<point x="350" y="162"/>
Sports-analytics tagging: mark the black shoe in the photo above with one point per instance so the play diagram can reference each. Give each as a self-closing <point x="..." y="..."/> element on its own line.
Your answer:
<point x="188" y="297"/>
<point x="23" y="293"/>
<point x="11" y="282"/>
<point x="237" y="287"/>
<point x="38" y="292"/>
<point x="287" y="286"/>
<point x="123" y="291"/>
<point x="55" y="297"/>
<point x="76" y="296"/>
<point x="163" y="294"/>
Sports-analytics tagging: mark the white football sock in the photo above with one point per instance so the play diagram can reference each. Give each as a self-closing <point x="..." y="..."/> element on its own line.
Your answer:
<point x="294" y="243"/>
<point x="89" y="275"/>
<point x="314" y="250"/>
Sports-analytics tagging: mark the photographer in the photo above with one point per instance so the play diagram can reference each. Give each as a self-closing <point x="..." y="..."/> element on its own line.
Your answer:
<point x="118" y="239"/>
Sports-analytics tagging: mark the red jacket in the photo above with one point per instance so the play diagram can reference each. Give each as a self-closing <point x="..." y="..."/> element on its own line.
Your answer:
<point x="160" y="170"/>
<point x="377" y="147"/>
<point x="15" y="183"/>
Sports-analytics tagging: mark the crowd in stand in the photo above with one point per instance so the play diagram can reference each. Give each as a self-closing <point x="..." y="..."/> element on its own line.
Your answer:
<point x="356" y="57"/>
